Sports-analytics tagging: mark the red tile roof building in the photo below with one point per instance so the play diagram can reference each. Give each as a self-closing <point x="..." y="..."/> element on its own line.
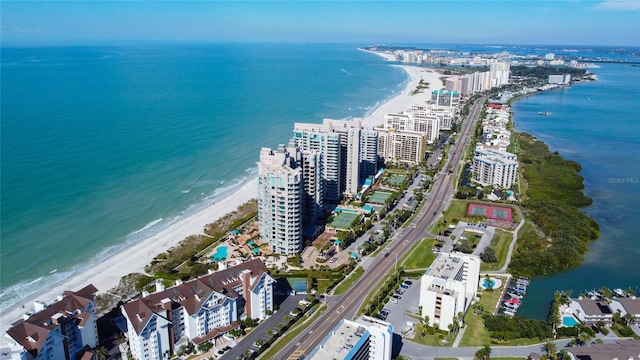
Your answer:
<point x="198" y="310"/>
<point x="60" y="330"/>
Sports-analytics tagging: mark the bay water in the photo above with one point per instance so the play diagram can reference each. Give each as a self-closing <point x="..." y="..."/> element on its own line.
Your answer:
<point x="596" y="124"/>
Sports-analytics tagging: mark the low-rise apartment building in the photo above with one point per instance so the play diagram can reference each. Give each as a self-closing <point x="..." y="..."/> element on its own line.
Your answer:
<point x="199" y="310"/>
<point x="65" y="329"/>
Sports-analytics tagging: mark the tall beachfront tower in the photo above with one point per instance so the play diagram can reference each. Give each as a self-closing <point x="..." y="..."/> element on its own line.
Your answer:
<point x="280" y="196"/>
<point x="445" y="98"/>
<point x="499" y="71"/>
<point x="348" y="153"/>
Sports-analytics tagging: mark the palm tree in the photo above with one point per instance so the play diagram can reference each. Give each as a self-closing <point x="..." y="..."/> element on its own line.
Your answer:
<point x="583" y="338"/>
<point x="484" y="353"/>
<point x="551" y="349"/>
<point x="100" y="352"/>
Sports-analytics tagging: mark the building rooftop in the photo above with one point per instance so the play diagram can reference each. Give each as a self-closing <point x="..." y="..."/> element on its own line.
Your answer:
<point x="631" y="305"/>
<point x="594" y="307"/>
<point x="340" y="341"/>
<point x="622" y="350"/>
<point x="446" y="266"/>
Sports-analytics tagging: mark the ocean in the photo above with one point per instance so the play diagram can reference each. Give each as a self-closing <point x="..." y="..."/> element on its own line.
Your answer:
<point x="596" y="124"/>
<point x="105" y="146"/>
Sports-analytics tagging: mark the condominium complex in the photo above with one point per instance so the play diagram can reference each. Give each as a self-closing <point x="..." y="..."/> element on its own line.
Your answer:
<point x="494" y="168"/>
<point x="395" y="146"/>
<point x="280" y="197"/>
<point x="444" y="114"/>
<point x="445" y="97"/>
<point x="562" y="79"/>
<point x="348" y="152"/>
<point x="497" y="75"/>
<point x="448" y="287"/>
<point x="414" y="121"/>
<point x="65" y="329"/>
<point x="200" y="310"/>
<point x="366" y="338"/>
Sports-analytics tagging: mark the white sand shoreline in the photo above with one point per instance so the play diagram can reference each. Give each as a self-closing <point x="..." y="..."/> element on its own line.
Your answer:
<point x="107" y="274"/>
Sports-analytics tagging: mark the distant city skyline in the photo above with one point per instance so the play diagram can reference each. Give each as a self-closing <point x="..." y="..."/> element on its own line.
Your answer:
<point x="571" y="22"/>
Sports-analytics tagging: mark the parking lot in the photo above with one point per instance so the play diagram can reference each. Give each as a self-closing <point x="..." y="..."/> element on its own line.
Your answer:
<point x="407" y="304"/>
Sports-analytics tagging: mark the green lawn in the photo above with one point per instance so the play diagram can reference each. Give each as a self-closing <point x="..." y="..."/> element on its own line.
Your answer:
<point x="349" y="281"/>
<point x="456" y="211"/>
<point x="323" y="284"/>
<point x="475" y="334"/>
<point x="500" y="244"/>
<point x="419" y="255"/>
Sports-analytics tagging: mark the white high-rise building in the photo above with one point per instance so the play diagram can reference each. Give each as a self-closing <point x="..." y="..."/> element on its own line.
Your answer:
<point x="417" y="119"/>
<point x="448" y="287"/>
<point x="366" y="338"/>
<point x="494" y="168"/>
<point x="499" y="73"/>
<point x="280" y="199"/>
<point x="562" y="79"/>
<point x="445" y="98"/>
<point x="401" y="146"/>
<point x="348" y="151"/>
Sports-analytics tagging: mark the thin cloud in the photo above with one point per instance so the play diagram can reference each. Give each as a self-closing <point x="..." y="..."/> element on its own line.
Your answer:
<point x="624" y="5"/>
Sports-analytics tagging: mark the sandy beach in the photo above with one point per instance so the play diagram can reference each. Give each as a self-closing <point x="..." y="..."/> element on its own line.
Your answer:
<point x="107" y="274"/>
<point x="405" y="99"/>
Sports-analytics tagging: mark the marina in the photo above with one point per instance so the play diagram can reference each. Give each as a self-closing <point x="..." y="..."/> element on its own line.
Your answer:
<point x="512" y="298"/>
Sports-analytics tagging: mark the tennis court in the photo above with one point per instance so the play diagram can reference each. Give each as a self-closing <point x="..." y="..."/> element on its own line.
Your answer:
<point x="344" y="220"/>
<point x="395" y="179"/>
<point x="379" y="197"/>
<point x="490" y="212"/>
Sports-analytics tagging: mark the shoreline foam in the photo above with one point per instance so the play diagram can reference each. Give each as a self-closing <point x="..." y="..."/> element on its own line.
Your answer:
<point x="107" y="274"/>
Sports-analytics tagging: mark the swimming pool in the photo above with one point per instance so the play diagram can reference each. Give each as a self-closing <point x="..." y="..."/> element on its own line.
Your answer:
<point x="488" y="283"/>
<point x="569" y="321"/>
<point x="221" y="253"/>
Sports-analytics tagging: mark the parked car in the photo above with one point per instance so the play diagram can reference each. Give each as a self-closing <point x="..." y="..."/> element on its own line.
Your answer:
<point x="393" y="301"/>
<point x="395" y="296"/>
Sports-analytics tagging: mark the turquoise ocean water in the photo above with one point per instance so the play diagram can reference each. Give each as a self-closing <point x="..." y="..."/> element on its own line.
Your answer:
<point x="105" y="146"/>
<point x="596" y="124"/>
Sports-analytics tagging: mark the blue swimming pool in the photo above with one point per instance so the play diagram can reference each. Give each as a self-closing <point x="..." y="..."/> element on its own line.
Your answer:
<point x="488" y="283"/>
<point x="221" y="253"/>
<point x="569" y="321"/>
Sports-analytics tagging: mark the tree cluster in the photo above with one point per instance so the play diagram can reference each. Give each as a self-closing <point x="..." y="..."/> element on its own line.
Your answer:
<point x="502" y="327"/>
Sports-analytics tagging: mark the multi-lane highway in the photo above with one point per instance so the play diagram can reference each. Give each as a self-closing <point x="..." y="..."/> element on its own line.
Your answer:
<point x="346" y="306"/>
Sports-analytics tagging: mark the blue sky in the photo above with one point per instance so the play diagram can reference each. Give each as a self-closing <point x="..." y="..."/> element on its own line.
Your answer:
<point x="571" y="22"/>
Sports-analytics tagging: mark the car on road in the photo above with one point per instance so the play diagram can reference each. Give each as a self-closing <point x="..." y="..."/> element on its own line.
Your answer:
<point x="386" y="254"/>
